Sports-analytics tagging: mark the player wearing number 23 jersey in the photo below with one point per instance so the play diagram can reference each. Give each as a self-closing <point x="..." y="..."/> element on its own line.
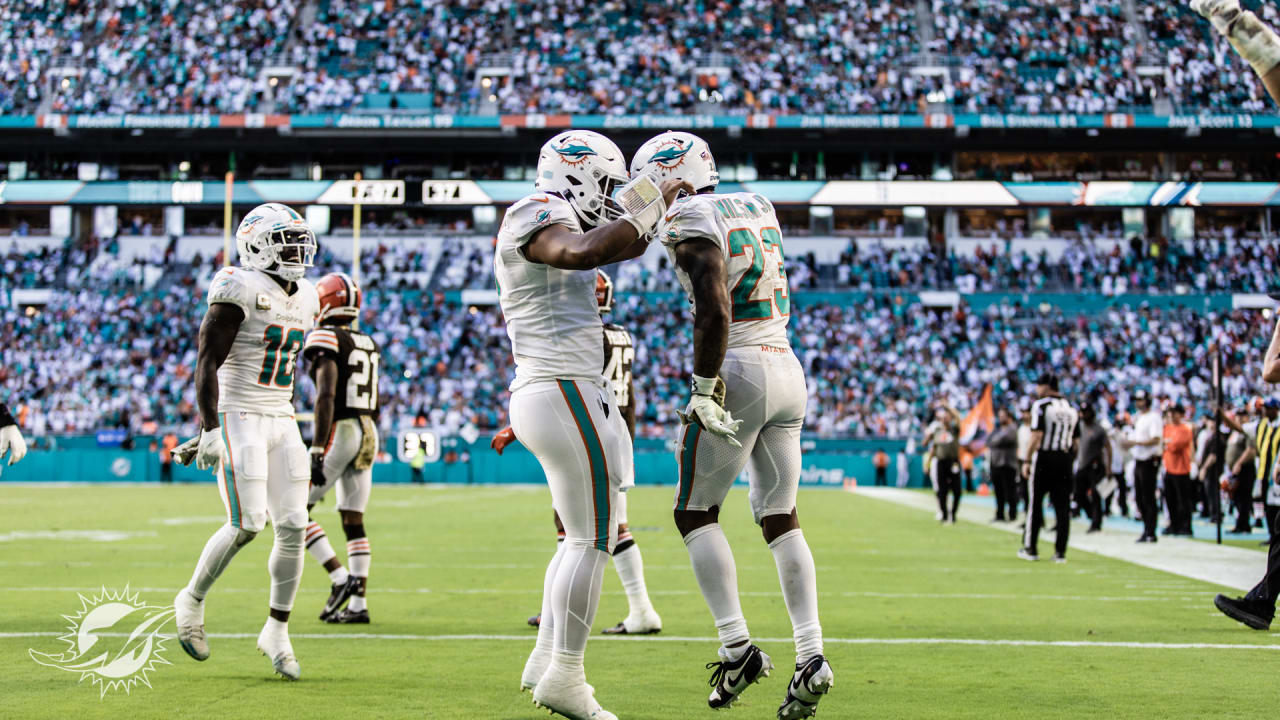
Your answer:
<point x="746" y="410"/>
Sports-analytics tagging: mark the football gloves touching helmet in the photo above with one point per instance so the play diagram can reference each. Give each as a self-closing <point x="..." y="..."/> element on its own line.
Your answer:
<point x="706" y="410"/>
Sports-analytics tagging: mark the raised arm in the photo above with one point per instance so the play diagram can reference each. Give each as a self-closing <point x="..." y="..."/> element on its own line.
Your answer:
<point x="622" y="239"/>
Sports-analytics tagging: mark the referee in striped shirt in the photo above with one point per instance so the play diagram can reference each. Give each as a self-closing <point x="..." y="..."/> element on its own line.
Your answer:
<point x="1055" y="436"/>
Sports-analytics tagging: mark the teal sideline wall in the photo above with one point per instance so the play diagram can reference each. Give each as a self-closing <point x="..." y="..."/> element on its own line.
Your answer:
<point x="79" y="459"/>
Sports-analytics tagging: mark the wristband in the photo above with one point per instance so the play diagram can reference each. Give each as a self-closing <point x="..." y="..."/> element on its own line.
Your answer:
<point x="643" y="204"/>
<point x="315" y="450"/>
<point x="704" y="386"/>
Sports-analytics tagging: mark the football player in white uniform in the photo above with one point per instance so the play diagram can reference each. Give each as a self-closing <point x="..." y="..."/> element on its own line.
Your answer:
<point x="259" y="314"/>
<point x="1253" y="40"/>
<point x="619" y="353"/>
<point x="562" y="408"/>
<point x="746" y="410"/>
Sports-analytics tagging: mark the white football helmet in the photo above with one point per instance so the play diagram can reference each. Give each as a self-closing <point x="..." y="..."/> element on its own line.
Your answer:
<point x="676" y="155"/>
<point x="583" y="167"/>
<point x="275" y="239"/>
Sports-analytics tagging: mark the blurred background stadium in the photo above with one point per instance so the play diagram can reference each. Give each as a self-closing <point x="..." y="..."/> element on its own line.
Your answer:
<point x="972" y="193"/>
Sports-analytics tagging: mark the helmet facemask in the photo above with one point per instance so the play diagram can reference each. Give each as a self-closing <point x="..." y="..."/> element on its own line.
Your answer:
<point x="596" y="205"/>
<point x="288" y="252"/>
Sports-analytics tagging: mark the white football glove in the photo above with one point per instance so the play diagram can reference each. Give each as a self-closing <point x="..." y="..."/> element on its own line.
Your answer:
<point x="706" y="410"/>
<point x="186" y="452"/>
<point x="11" y="441"/>
<point x="1219" y="12"/>
<point x="210" y="449"/>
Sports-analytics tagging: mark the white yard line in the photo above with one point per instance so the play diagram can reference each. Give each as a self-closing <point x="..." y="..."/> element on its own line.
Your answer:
<point x="1223" y="565"/>
<point x="529" y="638"/>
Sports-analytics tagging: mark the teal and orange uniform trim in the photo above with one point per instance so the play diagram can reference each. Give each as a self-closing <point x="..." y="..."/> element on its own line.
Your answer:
<point x="229" y="476"/>
<point x="688" y="464"/>
<point x="595" y="457"/>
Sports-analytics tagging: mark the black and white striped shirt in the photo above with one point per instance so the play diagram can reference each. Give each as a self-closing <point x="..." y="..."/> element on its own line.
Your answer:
<point x="1059" y="422"/>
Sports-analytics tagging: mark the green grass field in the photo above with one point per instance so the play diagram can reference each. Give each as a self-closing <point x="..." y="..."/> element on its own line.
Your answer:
<point x="469" y="561"/>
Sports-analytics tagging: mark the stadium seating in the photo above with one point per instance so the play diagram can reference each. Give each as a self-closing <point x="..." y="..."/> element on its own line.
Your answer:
<point x="116" y="344"/>
<point x="306" y="56"/>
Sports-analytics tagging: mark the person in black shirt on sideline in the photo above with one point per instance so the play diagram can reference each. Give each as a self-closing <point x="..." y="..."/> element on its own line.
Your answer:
<point x="1055" y="435"/>
<point x="1092" y="462"/>
<point x="1002" y="458"/>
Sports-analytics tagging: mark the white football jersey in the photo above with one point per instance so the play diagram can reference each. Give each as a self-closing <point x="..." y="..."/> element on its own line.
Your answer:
<point x="745" y="228"/>
<point x="257" y="375"/>
<point x="551" y="314"/>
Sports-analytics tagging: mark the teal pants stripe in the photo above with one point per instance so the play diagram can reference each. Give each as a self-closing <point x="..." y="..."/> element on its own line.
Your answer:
<point x="595" y="457"/>
<point x="229" y="476"/>
<point x="688" y="463"/>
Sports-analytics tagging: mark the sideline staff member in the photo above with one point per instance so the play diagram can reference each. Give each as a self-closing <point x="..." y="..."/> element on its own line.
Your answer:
<point x="1144" y="445"/>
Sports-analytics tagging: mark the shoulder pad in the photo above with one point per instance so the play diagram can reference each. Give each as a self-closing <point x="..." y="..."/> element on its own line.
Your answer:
<point x="321" y="339"/>
<point x="535" y="212"/>
<point x="690" y="217"/>
<point x="230" y="285"/>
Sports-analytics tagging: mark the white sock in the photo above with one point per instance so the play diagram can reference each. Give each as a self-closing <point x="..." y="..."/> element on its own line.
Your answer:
<point x="359" y="557"/>
<point x="630" y="569"/>
<point x="574" y="598"/>
<point x="547" y="623"/>
<point x="285" y="567"/>
<point x="217" y="554"/>
<point x="338" y="576"/>
<point x="318" y="543"/>
<point x="800" y="591"/>
<point x="717" y="576"/>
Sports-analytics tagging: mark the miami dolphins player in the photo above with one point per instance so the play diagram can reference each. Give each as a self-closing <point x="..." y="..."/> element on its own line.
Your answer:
<point x="562" y="407"/>
<point x="746" y="410"/>
<point x="619" y="353"/>
<point x="259" y="313"/>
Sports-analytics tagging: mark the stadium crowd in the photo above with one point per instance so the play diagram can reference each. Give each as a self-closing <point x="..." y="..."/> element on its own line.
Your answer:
<point x="108" y="351"/>
<point x="572" y="56"/>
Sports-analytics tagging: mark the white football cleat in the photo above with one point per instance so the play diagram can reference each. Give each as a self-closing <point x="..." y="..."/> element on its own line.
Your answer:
<point x="188" y="615"/>
<point x="534" y="668"/>
<point x="276" y="646"/>
<point x="646" y="623"/>
<point x="568" y="694"/>
<point x="811" y="681"/>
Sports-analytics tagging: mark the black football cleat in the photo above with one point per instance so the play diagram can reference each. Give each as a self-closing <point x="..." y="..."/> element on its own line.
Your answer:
<point x="1255" y="614"/>
<point x="339" y="594"/>
<point x="730" y="679"/>
<point x="347" y="616"/>
<point x="536" y="620"/>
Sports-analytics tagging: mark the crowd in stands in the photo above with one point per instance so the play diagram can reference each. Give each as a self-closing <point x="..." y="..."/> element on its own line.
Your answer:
<point x="109" y="351"/>
<point x="574" y="56"/>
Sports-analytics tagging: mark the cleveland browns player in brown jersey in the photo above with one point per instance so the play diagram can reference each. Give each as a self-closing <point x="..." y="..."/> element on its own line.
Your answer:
<point x="343" y="362"/>
<point x="619" y="352"/>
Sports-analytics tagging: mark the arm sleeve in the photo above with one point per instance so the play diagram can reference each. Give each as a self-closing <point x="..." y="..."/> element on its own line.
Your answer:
<point x="6" y="417"/>
<point x="693" y="217"/>
<point x="524" y="219"/>
<point x="229" y="287"/>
